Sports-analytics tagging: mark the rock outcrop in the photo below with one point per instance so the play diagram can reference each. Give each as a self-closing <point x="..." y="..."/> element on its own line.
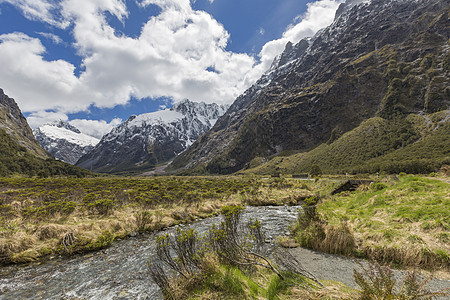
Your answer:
<point x="15" y="124"/>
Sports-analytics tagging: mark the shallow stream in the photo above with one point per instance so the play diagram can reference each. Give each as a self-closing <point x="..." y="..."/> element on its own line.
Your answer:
<point x="119" y="272"/>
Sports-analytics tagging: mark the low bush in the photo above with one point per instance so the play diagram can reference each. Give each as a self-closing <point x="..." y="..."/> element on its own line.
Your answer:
<point x="219" y="260"/>
<point x="143" y="220"/>
<point x="378" y="282"/>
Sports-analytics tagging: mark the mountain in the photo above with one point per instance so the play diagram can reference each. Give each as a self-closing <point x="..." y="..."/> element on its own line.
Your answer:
<point x="64" y="141"/>
<point x="146" y="140"/>
<point x="20" y="152"/>
<point x="385" y="62"/>
<point x="14" y="124"/>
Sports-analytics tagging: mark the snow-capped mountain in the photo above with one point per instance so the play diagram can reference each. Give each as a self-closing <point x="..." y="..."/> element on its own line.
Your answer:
<point x="64" y="141"/>
<point x="143" y="141"/>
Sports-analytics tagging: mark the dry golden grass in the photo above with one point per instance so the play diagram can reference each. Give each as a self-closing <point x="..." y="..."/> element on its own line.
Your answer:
<point x="287" y="242"/>
<point x="27" y="242"/>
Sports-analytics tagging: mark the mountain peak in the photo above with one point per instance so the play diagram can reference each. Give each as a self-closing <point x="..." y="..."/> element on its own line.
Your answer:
<point x="65" y="125"/>
<point x="146" y="140"/>
<point x="379" y="58"/>
<point x="64" y="141"/>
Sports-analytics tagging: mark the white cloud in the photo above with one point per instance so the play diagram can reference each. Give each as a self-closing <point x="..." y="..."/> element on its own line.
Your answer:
<point x="35" y="83"/>
<point x="319" y="14"/>
<point x="95" y="128"/>
<point x="36" y="119"/>
<point x="42" y="10"/>
<point x="50" y="36"/>
<point x="171" y="57"/>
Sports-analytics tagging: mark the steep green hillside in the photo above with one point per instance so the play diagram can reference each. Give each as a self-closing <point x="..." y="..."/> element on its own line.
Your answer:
<point x="16" y="159"/>
<point x="415" y="144"/>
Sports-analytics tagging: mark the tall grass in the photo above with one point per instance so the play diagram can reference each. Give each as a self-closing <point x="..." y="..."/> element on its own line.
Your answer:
<point x="389" y="222"/>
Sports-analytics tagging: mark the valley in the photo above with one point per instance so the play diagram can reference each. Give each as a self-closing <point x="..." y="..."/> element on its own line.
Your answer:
<point x="323" y="176"/>
<point x="66" y="223"/>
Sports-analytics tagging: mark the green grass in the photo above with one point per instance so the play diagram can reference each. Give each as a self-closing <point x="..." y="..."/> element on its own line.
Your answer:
<point x="411" y="215"/>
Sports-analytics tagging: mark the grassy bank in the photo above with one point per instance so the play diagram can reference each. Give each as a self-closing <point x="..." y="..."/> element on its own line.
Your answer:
<point x="405" y="221"/>
<point x="61" y="216"/>
<point x="230" y="262"/>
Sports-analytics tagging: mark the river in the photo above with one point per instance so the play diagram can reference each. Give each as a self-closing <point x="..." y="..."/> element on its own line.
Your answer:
<point x="119" y="272"/>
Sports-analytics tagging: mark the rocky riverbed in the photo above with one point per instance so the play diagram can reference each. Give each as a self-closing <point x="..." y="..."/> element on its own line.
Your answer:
<point x="120" y="272"/>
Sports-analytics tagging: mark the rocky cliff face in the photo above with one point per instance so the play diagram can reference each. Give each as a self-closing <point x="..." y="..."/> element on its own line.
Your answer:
<point x="14" y="123"/>
<point x="146" y="140"/>
<point x="64" y="141"/>
<point x="379" y="58"/>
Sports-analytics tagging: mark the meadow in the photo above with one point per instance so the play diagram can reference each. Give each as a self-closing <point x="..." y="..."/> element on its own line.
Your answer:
<point x="402" y="220"/>
<point x="42" y="217"/>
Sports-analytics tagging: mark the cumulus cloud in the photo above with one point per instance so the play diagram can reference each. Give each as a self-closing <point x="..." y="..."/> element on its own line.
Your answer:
<point x="35" y="83"/>
<point x="36" y="119"/>
<point x="180" y="53"/>
<point x="95" y="128"/>
<point x="318" y="15"/>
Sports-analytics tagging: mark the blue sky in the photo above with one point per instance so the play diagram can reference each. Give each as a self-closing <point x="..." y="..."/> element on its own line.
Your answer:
<point x="96" y="62"/>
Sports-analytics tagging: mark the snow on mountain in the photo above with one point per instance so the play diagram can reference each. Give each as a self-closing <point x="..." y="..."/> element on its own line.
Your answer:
<point x="64" y="141"/>
<point x="143" y="141"/>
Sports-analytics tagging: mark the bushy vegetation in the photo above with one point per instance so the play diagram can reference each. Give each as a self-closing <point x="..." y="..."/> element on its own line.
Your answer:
<point x="403" y="221"/>
<point x="15" y="159"/>
<point x="313" y="232"/>
<point x="69" y="215"/>
<point x="377" y="282"/>
<point x="226" y="263"/>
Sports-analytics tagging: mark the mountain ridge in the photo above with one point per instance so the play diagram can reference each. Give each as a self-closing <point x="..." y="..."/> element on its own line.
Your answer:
<point x="147" y="140"/>
<point x="16" y="125"/>
<point x="64" y="141"/>
<point x="379" y="58"/>
<point x="20" y="152"/>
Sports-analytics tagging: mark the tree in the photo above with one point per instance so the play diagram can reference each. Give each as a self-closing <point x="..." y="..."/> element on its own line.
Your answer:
<point x="315" y="171"/>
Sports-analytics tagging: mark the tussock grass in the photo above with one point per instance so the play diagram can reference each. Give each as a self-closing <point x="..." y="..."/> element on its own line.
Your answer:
<point x="37" y="213"/>
<point x="404" y="222"/>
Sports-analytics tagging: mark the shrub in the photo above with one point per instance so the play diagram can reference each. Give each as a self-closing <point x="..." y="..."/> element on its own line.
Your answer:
<point x="378" y="186"/>
<point x="143" y="220"/>
<point x="315" y="171"/>
<point x="377" y="282"/>
<point x="240" y="248"/>
<point x="69" y="207"/>
<point x="101" y="206"/>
